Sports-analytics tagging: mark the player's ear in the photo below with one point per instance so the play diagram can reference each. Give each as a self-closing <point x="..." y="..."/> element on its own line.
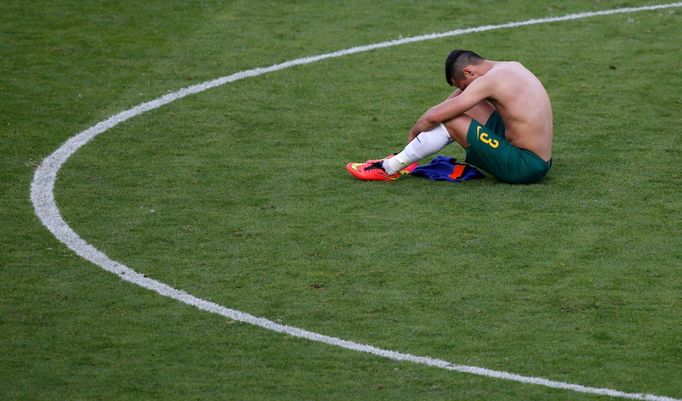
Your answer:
<point x="468" y="72"/>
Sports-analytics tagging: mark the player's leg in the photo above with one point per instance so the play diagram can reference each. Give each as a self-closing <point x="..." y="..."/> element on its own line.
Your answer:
<point x="425" y="144"/>
<point x="430" y="142"/>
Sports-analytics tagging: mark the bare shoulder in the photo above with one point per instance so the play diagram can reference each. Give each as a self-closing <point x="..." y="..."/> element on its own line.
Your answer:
<point x="511" y="76"/>
<point x="505" y="69"/>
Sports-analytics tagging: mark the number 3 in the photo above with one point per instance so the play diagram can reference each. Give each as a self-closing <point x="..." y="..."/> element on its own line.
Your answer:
<point x="494" y="143"/>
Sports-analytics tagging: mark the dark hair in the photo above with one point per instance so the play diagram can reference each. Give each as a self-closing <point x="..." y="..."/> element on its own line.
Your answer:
<point x="456" y="61"/>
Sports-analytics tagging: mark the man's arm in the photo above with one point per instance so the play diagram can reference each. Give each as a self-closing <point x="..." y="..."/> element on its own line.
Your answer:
<point x="456" y="92"/>
<point x="456" y="104"/>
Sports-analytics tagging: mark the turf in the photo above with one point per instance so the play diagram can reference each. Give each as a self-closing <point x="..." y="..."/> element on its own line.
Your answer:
<point x="238" y="195"/>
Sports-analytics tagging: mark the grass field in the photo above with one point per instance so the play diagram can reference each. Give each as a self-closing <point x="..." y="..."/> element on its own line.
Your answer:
<point x="238" y="195"/>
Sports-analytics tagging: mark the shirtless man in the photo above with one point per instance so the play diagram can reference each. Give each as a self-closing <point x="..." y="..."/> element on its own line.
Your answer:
<point x="514" y="144"/>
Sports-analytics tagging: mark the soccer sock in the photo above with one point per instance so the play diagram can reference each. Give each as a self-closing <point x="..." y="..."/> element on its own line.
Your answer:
<point x="425" y="144"/>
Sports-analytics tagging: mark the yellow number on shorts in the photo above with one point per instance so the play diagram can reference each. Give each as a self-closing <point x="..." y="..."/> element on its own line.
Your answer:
<point x="494" y="143"/>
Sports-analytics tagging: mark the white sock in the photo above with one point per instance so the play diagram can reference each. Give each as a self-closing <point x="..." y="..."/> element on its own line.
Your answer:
<point x="425" y="144"/>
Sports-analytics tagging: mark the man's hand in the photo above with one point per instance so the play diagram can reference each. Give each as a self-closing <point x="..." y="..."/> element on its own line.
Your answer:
<point x="421" y="125"/>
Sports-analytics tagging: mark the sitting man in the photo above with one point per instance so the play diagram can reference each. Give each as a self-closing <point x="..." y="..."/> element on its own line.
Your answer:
<point x="514" y="144"/>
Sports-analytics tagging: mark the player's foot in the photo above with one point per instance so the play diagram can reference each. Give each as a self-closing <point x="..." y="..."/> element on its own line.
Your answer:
<point x="372" y="170"/>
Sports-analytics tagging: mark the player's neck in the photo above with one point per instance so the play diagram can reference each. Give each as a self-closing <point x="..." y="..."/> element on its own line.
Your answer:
<point x="486" y="66"/>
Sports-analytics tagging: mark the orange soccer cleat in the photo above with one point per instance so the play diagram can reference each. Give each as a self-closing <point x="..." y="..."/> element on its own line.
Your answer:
<point x="409" y="169"/>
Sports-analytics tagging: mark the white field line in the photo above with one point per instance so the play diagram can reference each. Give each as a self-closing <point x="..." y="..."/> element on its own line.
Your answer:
<point x="42" y="196"/>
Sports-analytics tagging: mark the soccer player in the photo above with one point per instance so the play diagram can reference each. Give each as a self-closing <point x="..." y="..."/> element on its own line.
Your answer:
<point x="500" y="114"/>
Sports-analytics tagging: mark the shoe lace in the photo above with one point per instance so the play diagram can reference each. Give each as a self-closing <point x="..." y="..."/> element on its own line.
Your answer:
<point x="376" y="165"/>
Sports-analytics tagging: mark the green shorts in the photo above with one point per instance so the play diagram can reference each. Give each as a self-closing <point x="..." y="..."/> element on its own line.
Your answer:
<point x="489" y="150"/>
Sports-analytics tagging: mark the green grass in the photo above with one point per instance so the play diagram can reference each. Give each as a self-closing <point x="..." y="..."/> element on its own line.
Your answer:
<point x="238" y="195"/>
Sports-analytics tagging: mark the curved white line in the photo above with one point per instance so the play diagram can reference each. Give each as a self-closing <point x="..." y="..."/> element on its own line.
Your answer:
<point x="42" y="196"/>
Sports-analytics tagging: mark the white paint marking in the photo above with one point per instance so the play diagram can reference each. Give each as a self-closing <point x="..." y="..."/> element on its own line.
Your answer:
<point x="42" y="196"/>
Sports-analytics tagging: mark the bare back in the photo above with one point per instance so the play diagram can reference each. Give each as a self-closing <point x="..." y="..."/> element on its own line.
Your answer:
<point x="524" y="106"/>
